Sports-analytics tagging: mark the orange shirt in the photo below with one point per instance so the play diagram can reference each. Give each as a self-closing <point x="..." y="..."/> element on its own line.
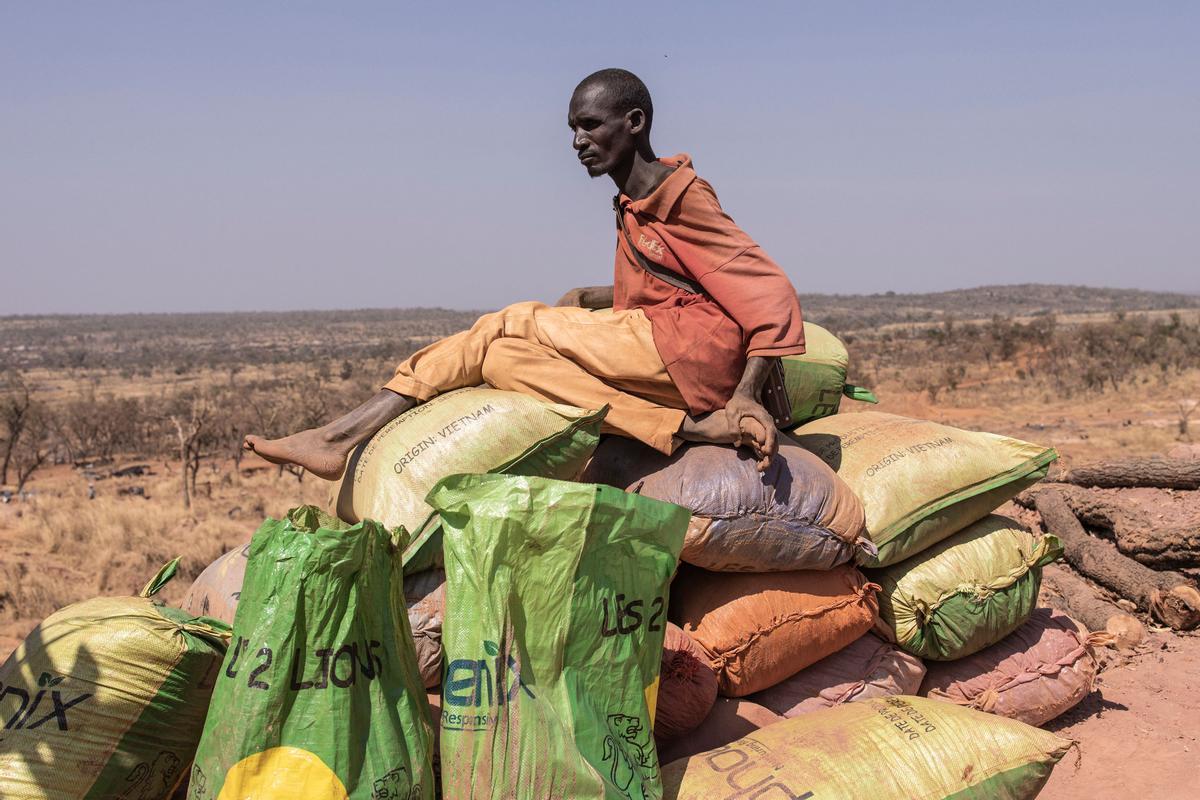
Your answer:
<point x="750" y="308"/>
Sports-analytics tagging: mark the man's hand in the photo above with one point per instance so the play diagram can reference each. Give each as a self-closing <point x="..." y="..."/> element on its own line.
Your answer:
<point x="754" y="425"/>
<point x="588" y="297"/>
<point x="744" y="421"/>
<point x="755" y="428"/>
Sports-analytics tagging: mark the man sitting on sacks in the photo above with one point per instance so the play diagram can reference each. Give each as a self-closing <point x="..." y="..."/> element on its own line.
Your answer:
<point x="672" y="363"/>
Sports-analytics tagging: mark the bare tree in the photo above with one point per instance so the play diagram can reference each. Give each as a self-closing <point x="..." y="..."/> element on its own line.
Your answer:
<point x="193" y="422"/>
<point x="34" y="446"/>
<point x="15" y="404"/>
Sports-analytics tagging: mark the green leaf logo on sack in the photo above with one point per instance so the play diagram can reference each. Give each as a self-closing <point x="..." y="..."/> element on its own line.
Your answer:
<point x="58" y="704"/>
<point x="469" y="680"/>
<point x="46" y="679"/>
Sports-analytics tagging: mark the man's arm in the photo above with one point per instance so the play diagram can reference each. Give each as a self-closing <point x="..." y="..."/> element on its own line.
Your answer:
<point x="746" y="415"/>
<point x="588" y="297"/>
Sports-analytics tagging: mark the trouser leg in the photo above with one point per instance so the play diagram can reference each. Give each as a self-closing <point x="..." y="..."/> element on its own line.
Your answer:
<point x="615" y="350"/>
<point x="540" y="371"/>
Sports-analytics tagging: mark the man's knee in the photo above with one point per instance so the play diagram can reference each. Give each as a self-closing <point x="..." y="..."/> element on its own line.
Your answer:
<point x="523" y="308"/>
<point x="518" y="319"/>
<point x="501" y="360"/>
<point x="518" y="314"/>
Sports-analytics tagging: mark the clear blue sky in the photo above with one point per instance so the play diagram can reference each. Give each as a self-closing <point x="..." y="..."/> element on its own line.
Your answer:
<point x="164" y="156"/>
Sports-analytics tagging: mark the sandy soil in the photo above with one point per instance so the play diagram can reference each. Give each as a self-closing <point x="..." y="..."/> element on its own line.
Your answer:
<point x="1139" y="731"/>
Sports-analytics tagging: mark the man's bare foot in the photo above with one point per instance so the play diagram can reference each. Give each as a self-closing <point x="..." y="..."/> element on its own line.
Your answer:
<point x="322" y="451"/>
<point x="310" y="449"/>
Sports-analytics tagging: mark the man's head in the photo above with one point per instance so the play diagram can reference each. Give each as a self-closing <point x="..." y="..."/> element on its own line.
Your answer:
<point x="610" y="118"/>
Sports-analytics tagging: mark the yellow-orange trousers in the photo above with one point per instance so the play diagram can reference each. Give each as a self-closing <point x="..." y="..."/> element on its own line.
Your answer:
<point x="561" y="355"/>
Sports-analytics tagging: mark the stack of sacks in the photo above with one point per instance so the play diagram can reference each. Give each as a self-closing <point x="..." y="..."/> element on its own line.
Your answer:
<point x="767" y="589"/>
<point x="1041" y="670"/>
<point x="758" y="630"/>
<point x="473" y="430"/>
<point x="957" y="581"/>
<point x="777" y="590"/>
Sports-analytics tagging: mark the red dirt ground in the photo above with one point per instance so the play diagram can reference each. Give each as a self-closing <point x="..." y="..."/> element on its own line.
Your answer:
<point x="1139" y="731"/>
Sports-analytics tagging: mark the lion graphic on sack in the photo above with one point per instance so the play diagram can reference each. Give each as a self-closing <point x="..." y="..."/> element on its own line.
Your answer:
<point x="631" y="752"/>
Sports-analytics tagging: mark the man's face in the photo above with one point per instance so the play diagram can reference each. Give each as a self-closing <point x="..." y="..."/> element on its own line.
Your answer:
<point x="603" y="137"/>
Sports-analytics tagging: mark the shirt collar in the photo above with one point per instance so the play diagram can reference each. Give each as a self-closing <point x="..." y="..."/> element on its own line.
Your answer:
<point x="658" y="203"/>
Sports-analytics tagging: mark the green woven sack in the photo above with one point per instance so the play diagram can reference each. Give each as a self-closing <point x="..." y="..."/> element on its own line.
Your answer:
<point x="967" y="592"/>
<point x="319" y="695"/>
<point x="816" y="380"/>
<point x="556" y="605"/>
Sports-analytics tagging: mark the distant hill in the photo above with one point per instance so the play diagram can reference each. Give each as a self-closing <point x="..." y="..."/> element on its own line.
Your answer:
<point x="186" y="341"/>
<point x="843" y="312"/>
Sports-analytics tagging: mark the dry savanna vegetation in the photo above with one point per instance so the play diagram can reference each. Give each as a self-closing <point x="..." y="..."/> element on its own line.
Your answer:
<point x="119" y="435"/>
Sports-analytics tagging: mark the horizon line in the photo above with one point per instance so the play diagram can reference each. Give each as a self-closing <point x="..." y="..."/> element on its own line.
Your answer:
<point x="1189" y="294"/>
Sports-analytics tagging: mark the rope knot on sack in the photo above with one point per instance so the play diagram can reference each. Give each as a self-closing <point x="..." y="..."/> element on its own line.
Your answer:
<point x="986" y="700"/>
<point x="978" y="592"/>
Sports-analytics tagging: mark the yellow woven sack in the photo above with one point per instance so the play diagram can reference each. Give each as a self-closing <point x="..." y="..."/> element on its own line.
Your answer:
<point x="106" y="699"/>
<point x="920" y="481"/>
<point x="887" y="748"/>
<point x="465" y="431"/>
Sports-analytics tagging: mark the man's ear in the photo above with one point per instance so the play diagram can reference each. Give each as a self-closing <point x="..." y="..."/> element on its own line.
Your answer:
<point x="635" y="121"/>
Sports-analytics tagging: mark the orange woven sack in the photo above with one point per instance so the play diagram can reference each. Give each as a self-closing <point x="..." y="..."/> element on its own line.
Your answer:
<point x="761" y="628"/>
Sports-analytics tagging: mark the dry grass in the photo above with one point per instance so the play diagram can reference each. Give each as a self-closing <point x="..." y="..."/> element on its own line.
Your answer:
<point x="60" y="547"/>
<point x="1141" y="418"/>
